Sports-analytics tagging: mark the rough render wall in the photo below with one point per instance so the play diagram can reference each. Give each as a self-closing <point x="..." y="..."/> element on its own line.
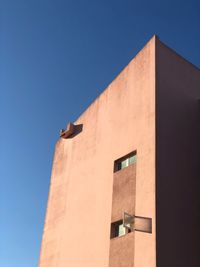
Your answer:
<point x="122" y="119"/>
<point x="178" y="161"/>
<point x="123" y="199"/>
<point x="122" y="251"/>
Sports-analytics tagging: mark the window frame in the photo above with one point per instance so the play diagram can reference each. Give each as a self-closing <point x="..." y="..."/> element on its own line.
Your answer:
<point x="115" y="229"/>
<point x="126" y="161"/>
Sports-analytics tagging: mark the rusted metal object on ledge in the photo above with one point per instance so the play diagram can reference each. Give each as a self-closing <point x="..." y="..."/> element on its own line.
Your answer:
<point x="65" y="133"/>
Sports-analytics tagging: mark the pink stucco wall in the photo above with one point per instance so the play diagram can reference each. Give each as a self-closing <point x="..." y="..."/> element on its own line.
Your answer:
<point x="120" y="120"/>
<point x="177" y="160"/>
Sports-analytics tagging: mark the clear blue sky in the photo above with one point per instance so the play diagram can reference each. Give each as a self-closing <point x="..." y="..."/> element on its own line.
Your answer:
<point x="56" y="58"/>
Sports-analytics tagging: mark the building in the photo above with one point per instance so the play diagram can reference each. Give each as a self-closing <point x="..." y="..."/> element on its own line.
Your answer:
<point x="136" y="149"/>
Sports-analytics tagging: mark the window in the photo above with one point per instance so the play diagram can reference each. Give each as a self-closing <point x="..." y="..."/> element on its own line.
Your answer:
<point x="125" y="161"/>
<point x="117" y="229"/>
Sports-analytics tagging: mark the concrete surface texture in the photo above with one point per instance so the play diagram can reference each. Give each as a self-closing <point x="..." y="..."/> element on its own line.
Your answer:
<point x="122" y="119"/>
<point x="177" y="160"/>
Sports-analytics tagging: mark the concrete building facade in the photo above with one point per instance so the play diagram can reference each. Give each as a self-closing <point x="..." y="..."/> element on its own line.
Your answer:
<point x="135" y="150"/>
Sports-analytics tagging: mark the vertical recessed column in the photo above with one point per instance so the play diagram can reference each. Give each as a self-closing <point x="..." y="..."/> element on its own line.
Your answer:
<point x="123" y="199"/>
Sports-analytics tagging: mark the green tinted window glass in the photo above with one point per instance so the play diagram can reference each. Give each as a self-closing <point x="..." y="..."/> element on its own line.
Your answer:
<point x="132" y="159"/>
<point x="124" y="164"/>
<point x="121" y="164"/>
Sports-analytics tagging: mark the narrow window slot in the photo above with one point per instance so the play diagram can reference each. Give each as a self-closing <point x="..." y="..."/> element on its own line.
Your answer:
<point x="125" y="161"/>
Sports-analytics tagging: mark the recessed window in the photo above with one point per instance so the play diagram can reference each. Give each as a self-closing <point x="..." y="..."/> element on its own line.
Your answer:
<point x="125" y="161"/>
<point x="117" y="229"/>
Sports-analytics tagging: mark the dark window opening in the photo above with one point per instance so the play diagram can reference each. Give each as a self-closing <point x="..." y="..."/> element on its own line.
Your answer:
<point x="118" y="229"/>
